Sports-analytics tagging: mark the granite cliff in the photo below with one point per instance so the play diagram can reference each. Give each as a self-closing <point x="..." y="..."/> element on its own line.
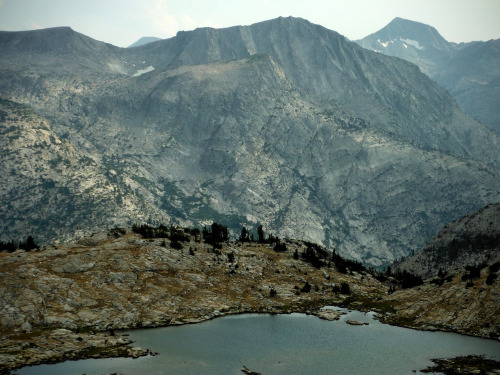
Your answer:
<point x="282" y="123"/>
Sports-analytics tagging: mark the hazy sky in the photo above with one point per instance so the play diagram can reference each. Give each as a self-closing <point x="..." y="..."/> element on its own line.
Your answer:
<point x="122" y="22"/>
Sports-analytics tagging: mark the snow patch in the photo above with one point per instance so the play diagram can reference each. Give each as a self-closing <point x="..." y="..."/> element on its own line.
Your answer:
<point x="413" y="43"/>
<point x="144" y="71"/>
<point x="385" y="44"/>
<point x="406" y="43"/>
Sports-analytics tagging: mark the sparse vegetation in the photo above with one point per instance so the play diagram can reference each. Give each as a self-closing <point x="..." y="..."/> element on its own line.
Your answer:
<point x="407" y="279"/>
<point x="215" y="235"/>
<point x="117" y="232"/>
<point x="491" y="278"/>
<point x="11" y="246"/>
<point x="470" y="364"/>
<point x="472" y="272"/>
<point x="473" y="243"/>
<point x="279" y="246"/>
<point x="147" y="231"/>
<point x="176" y="235"/>
<point x="345" y="288"/>
<point x="245" y="235"/>
<point x="272" y="292"/>
<point x="306" y="288"/>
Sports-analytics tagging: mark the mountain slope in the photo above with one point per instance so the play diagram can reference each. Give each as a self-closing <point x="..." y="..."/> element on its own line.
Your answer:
<point x="244" y="142"/>
<point x="53" y="190"/>
<point x="470" y="72"/>
<point x="472" y="76"/>
<point x="199" y="143"/>
<point x="472" y="240"/>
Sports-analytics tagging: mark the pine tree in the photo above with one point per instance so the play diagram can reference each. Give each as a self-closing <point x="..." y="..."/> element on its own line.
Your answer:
<point x="260" y="233"/>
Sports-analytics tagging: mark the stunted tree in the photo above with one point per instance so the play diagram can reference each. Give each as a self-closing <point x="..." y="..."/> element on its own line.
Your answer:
<point x="29" y="244"/>
<point x="345" y="288"/>
<point x="244" y="236"/>
<point x="215" y="235"/>
<point x="260" y="234"/>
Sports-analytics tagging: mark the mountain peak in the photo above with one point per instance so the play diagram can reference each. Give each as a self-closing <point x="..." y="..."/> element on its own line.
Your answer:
<point x="144" y="40"/>
<point x="412" y="33"/>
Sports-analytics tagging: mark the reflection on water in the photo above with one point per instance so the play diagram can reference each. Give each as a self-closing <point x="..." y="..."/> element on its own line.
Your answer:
<point x="282" y="344"/>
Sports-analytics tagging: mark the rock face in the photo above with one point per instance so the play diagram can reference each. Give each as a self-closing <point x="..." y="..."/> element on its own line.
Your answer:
<point x="282" y="123"/>
<point x="469" y="71"/>
<point x="470" y="241"/>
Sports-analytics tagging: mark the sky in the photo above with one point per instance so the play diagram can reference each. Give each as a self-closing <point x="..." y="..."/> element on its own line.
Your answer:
<point x="122" y="22"/>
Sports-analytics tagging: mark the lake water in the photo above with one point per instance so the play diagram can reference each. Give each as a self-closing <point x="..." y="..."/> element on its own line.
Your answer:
<point x="281" y="344"/>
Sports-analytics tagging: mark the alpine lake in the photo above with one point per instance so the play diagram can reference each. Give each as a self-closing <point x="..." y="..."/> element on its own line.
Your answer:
<point x="281" y="344"/>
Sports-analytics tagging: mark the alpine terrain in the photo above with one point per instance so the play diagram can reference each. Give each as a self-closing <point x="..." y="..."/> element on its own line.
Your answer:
<point x="283" y="124"/>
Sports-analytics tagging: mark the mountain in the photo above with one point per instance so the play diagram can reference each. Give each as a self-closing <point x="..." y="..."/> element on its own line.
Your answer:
<point x="59" y="50"/>
<point x="470" y="241"/>
<point x="144" y="40"/>
<point x="391" y="95"/>
<point x="413" y="41"/>
<point x="469" y="71"/>
<point x="282" y="123"/>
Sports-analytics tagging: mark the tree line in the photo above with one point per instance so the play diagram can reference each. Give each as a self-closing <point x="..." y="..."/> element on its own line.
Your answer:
<point x="11" y="246"/>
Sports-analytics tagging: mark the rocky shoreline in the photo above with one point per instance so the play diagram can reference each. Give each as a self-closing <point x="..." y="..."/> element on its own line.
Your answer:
<point x="60" y="345"/>
<point x="64" y="303"/>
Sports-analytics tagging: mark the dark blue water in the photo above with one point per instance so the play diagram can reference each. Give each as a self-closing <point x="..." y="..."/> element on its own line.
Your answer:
<point x="282" y="344"/>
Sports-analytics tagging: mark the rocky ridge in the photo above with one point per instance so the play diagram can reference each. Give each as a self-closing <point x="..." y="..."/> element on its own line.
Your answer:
<point x="117" y="279"/>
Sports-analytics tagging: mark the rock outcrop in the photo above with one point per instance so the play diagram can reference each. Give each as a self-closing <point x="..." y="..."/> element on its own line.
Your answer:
<point x="102" y="283"/>
<point x="456" y="305"/>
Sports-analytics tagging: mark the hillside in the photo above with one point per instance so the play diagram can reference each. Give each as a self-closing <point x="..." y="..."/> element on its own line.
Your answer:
<point x="472" y="240"/>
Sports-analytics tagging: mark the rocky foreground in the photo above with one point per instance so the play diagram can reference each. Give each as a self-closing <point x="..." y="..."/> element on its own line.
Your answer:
<point x="64" y="302"/>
